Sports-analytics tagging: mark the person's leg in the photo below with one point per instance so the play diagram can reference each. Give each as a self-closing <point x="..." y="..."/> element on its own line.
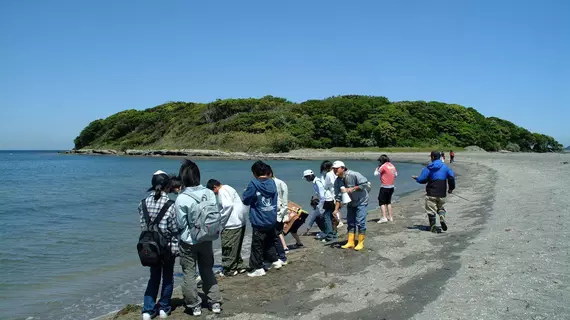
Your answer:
<point x="351" y="220"/>
<point x="283" y="242"/>
<point x="279" y="246"/>
<point x="206" y="264"/>
<point x="361" y="214"/>
<point x="330" y="234"/>
<point x="389" y="204"/>
<point x="230" y="250"/>
<point x="270" y="244"/>
<point x="241" y="266"/>
<point x="167" y="285"/>
<point x="256" y="252"/>
<point x="149" y="302"/>
<point x="441" y="212"/>
<point x="295" y="236"/>
<point x="390" y="217"/>
<point x="431" y="210"/>
<point x="189" y="286"/>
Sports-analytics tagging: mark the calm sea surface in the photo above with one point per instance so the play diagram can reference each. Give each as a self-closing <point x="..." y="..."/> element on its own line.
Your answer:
<point x="70" y="225"/>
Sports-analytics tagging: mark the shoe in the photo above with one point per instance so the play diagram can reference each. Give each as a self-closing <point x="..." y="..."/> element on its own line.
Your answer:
<point x="283" y="262"/>
<point x="146" y="316"/>
<point x="383" y="220"/>
<point x="220" y="274"/>
<point x="216" y="308"/>
<point x="340" y="224"/>
<point x="242" y="270"/>
<point x="432" y="226"/>
<point x="277" y="264"/>
<point x="350" y="243"/>
<point x="320" y="236"/>
<point x="256" y="273"/>
<point x="286" y="249"/>
<point x="299" y="245"/>
<point x="162" y="314"/>
<point x="391" y="219"/>
<point x="360" y="245"/>
<point x="197" y="311"/>
<point x="442" y="222"/>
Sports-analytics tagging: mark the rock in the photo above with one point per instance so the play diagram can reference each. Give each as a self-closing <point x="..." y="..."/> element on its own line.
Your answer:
<point x="474" y="149"/>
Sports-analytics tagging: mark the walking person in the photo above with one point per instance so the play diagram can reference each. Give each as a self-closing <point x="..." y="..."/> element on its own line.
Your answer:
<point x="261" y="196"/>
<point x="388" y="173"/>
<point x="328" y="178"/>
<point x="192" y="251"/>
<point x="157" y="214"/>
<point x="439" y="180"/>
<point x="282" y="201"/>
<point x="451" y="156"/>
<point x="233" y="221"/>
<point x="356" y="186"/>
<point x="325" y="208"/>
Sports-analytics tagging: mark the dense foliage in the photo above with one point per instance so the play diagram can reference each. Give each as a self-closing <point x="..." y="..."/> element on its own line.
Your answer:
<point x="275" y="124"/>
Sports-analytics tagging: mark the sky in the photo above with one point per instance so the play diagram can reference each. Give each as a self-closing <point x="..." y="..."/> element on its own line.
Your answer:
<point x="64" y="64"/>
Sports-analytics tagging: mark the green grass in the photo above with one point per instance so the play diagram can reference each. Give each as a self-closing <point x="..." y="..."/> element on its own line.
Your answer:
<point x="396" y="149"/>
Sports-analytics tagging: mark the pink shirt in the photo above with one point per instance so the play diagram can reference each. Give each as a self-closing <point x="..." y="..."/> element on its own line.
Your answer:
<point x="388" y="174"/>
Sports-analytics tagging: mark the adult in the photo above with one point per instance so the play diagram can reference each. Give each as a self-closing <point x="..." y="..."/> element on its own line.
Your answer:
<point x="328" y="178"/>
<point x="233" y="221"/>
<point x="388" y="173"/>
<point x="356" y="186"/>
<point x="324" y="208"/>
<point x="195" y="253"/>
<point x="157" y="213"/>
<point x="439" y="180"/>
<point x="261" y="196"/>
<point x="451" y="156"/>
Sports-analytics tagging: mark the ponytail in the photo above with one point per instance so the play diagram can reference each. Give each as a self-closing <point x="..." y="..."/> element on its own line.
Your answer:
<point x="157" y="192"/>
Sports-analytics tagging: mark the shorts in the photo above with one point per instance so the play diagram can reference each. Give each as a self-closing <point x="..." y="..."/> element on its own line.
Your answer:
<point x="297" y="224"/>
<point x="385" y="196"/>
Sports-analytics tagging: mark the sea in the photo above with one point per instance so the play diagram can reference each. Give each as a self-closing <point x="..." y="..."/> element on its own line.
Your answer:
<point x="70" y="225"/>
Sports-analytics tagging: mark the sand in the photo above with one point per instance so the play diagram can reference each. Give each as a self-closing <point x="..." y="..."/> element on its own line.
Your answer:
<point x="505" y="255"/>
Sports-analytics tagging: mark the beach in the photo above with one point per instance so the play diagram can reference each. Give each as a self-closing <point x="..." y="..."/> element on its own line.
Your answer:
<point x="505" y="255"/>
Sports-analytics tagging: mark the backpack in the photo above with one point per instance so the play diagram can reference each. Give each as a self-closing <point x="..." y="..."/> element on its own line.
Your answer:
<point x="153" y="245"/>
<point x="207" y="224"/>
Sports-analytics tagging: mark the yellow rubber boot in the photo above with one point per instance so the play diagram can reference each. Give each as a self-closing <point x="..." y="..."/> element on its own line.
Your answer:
<point x="360" y="245"/>
<point x="350" y="243"/>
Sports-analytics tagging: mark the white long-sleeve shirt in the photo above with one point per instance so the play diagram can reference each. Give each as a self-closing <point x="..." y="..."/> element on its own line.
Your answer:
<point x="328" y="182"/>
<point x="232" y="208"/>
<point x="282" y="199"/>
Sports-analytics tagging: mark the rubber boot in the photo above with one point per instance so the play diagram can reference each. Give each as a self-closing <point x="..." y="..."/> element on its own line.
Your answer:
<point x="442" y="221"/>
<point x="360" y="245"/>
<point x="350" y="243"/>
<point x="432" y="226"/>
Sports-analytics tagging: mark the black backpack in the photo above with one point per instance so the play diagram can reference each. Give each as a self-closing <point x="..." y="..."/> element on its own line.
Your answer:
<point x="153" y="245"/>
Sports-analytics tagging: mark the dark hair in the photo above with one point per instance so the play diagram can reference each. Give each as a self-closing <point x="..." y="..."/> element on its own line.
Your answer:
<point x="213" y="183"/>
<point x="260" y="168"/>
<point x="435" y="155"/>
<point x="160" y="182"/>
<point x="326" y="166"/>
<point x="175" y="182"/>
<point x="189" y="173"/>
<point x="383" y="159"/>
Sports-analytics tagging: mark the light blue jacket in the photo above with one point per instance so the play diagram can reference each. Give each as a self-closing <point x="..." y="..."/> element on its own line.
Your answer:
<point x="186" y="208"/>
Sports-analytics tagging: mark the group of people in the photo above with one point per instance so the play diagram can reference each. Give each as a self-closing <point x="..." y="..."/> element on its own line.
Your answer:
<point x="266" y="200"/>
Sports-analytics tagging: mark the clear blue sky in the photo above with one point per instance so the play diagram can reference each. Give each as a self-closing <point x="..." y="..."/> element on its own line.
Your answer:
<point x="66" y="63"/>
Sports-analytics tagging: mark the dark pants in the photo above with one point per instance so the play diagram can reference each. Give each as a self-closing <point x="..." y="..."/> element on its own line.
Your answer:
<point x="329" y="231"/>
<point x="262" y="247"/>
<point x="167" y="272"/>
<point x="232" y="240"/>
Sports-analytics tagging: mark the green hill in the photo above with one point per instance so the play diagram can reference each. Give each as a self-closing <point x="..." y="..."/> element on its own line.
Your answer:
<point x="275" y="124"/>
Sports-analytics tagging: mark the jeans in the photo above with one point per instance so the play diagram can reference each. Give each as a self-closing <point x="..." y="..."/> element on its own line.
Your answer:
<point x="263" y="247"/>
<point x="202" y="254"/>
<point x="329" y="232"/>
<point x="356" y="217"/>
<point x="149" y="303"/>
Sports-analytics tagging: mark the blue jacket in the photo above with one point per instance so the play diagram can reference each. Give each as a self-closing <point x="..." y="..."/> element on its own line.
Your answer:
<point x="437" y="176"/>
<point x="261" y="196"/>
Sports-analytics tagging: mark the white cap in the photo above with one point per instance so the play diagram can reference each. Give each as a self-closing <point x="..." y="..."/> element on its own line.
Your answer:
<point x="159" y="172"/>
<point x="308" y="172"/>
<point x="338" y="164"/>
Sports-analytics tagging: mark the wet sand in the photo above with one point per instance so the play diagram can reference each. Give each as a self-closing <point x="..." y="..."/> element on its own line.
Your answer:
<point x="505" y="255"/>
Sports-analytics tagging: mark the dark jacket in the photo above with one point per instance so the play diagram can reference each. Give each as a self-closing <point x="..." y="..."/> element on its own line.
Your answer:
<point x="437" y="176"/>
<point x="261" y="196"/>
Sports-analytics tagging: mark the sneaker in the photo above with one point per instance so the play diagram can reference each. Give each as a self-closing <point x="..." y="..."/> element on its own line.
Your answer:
<point x="286" y="249"/>
<point x="216" y="308"/>
<point x="442" y="222"/>
<point x="391" y="219"/>
<point x="162" y="314"/>
<point x="320" y="236"/>
<point x="242" y="270"/>
<point x="277" y="264"/>
<point x="283" y="262"/>
<point x="256" y="273"/>
<point x="233" y="273"/>
<point x="340" y="224"/>
<point x="383" y="220"/>
<point x="146" y="316"/>
<point x="197" y="311"/>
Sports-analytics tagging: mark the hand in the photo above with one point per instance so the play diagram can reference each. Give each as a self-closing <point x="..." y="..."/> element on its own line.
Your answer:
<point x="414" y="177"/>
<point x="351" y="190"/>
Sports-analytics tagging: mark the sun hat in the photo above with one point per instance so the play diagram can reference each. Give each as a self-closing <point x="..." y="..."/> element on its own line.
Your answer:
<point x="338" y="164"/>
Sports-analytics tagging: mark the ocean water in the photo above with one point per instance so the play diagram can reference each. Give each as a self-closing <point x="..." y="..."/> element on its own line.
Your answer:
<point x="69" y="226"/>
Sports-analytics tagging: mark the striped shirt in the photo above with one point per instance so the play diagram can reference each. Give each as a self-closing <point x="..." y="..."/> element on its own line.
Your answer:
<point x="167" y="225"/>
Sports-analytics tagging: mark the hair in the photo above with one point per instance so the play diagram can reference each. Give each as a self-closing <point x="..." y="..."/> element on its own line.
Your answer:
<point x="213" y="183"/>
<point x="189" y="173"/>
<point x="160" y="182"/>
<point x="383" y="159"/>
<point x="175" y="182"/>
<point x="260" y="168"/>
<point x="326" y="166"/>
<point x="435" y="155"/>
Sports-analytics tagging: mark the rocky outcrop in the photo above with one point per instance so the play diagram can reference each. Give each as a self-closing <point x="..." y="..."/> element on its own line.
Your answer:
<point x="191" y="153"/>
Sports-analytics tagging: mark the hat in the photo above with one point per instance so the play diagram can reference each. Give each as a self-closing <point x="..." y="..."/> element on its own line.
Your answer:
<point x="159" y="172"/>
<point x="338" y="164"/>
<point x="159" y="178"/>
<point x="308" y="172"/>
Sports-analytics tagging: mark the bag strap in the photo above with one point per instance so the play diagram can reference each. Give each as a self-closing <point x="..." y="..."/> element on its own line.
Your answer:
<point x="162" y="212"/>
<point x="146" y="216"/>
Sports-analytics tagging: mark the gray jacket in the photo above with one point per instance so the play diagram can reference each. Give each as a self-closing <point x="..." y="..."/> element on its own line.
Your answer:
<point x="352" y="179"/>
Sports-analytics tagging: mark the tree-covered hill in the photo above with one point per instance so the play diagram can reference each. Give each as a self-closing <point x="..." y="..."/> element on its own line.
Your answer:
<point x="275" y="124"/>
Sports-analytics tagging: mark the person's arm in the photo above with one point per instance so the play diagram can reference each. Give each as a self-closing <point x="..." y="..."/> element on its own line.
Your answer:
<point x="377" y="171"/>
<point x="285" y="203"/>
<point x="359" y="183"/>
<point x="143" y="222"/>
<point x="182" y="211"/>
<point x="450" y="180"/>
<point x="321" y="190"/>
<point x="249" y="197"/>
<point x="227" y="206"/>
<point x="423" y="176"/>
<point x="171" y="224"/>
<point x="337" y="193"/>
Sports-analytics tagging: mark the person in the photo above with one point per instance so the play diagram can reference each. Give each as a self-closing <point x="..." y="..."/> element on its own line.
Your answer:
<point x="175" y="184"/>
<point x="282" y="200"/>
<point x="149" y="210"/>
<point x="324" y="208"/>
<point x="451" y="156"/>
<point x="356" y="186"/>
<point x="302" y="217"/>
<point x="442" y="157"/>
<point x="191" y="253"/>
<point x="261" y="196"/>
<point x="328" y="177"/>
<point x="233" y="217"/>
<point x="439" y="180"/>
<point x="388" y="173"/>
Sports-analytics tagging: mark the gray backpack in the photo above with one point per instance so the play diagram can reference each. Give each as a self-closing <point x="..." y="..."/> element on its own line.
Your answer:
<point x="207" y="224"/>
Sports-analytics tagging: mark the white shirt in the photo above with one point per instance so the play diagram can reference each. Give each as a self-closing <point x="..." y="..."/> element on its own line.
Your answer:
<point x="319" y="189"/>
<point x="328" y="181"/>
<point x="232" y="207"/>
<point x="282" y="199"/>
